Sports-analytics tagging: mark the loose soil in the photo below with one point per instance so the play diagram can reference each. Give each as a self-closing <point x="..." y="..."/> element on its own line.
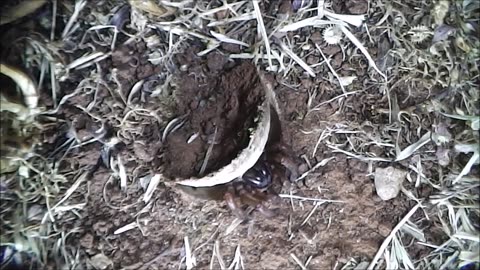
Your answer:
<point x="220" y="105"/>
<point x="213" y="92"/>
<point x="214" y="95"/>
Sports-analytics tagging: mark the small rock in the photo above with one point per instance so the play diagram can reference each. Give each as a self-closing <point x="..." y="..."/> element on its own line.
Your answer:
<point x="384" y="229"/>
<point x="100" y="261"/>
<point x="443" y="156"/>
<point x="87" y="241"/>
<point x="388" y="182"/>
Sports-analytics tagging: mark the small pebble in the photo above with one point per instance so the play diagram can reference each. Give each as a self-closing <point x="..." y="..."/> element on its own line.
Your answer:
<point x="384" y="229"/>
<point x="443" y="156"/>
<point x="388" y="182"/>
<point x="100" y="261"/>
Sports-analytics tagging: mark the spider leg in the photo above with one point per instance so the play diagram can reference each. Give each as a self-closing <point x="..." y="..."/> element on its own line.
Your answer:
<point x="281" y="155"/>
<point x="229" y="198"/>
<point x="278" y="180"/>
<point x="265" y="211"/>
<point x="250" y="196"/>
<point x="256" y="197"/>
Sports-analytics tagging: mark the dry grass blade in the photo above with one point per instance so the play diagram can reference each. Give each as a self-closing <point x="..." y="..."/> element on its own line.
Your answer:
<point x="312" y="21"/>
<point x="467" y="236"/>
<point x="87" y="60"/>
<point x="225" y="6"/>
<point x="237" y="262"/>
<point x="359" y="157"/>
<point x="297" y="59"/>
<point x="360" y="46"/>
<point x="414" y="231"/>
<point x="263" y="31"/>
<point x="242" y="56"/>
<point x="297" y="260"/>
<point x="400" y="254"/>
<point x="344" y="95"/>
<point x="356" y="20"/>
<point x="317" y="201"/>
<point x="66" y="208"/>
<point x="225" y="39"/>
<point x="474" y="120"/>
<point x="72" y="189"/>
<point x="190" y="260"/>
<point x="469" y="257"/>
<point x="235" y="223"/>
<point x="135" y="89"/>
<point x="392" y="234"/>
<point x="176" y="122"/>
<point x="151" y="187"/>
<point x="317" y="204"/>
<point x="474" y="159"/>
<point x="126" y="228"/>
<point x="327" y="61"/>
<point x="122" y="173"/>
<point x="407" y="152"/>
<point x="79" y="5"/>
<point x="243" y="17"/>
<point x="318" y="165"/>
<point x="209" y="152"/>
<point x="182" y="32"/>
<point x="218" y="255"/>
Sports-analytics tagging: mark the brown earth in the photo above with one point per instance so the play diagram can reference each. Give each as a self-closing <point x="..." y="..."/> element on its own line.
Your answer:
<point x="213" y="90"/>
<point x="220" y="106"/>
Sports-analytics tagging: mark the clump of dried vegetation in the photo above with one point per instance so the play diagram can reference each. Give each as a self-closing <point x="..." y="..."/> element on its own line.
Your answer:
<point x="429" y="50"/>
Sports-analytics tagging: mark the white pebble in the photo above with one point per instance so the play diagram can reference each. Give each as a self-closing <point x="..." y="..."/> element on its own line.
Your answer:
<point x="388" y="182"/>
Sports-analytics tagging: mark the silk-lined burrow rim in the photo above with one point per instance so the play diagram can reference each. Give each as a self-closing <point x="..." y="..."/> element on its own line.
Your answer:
<point x="248" y="156"/>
